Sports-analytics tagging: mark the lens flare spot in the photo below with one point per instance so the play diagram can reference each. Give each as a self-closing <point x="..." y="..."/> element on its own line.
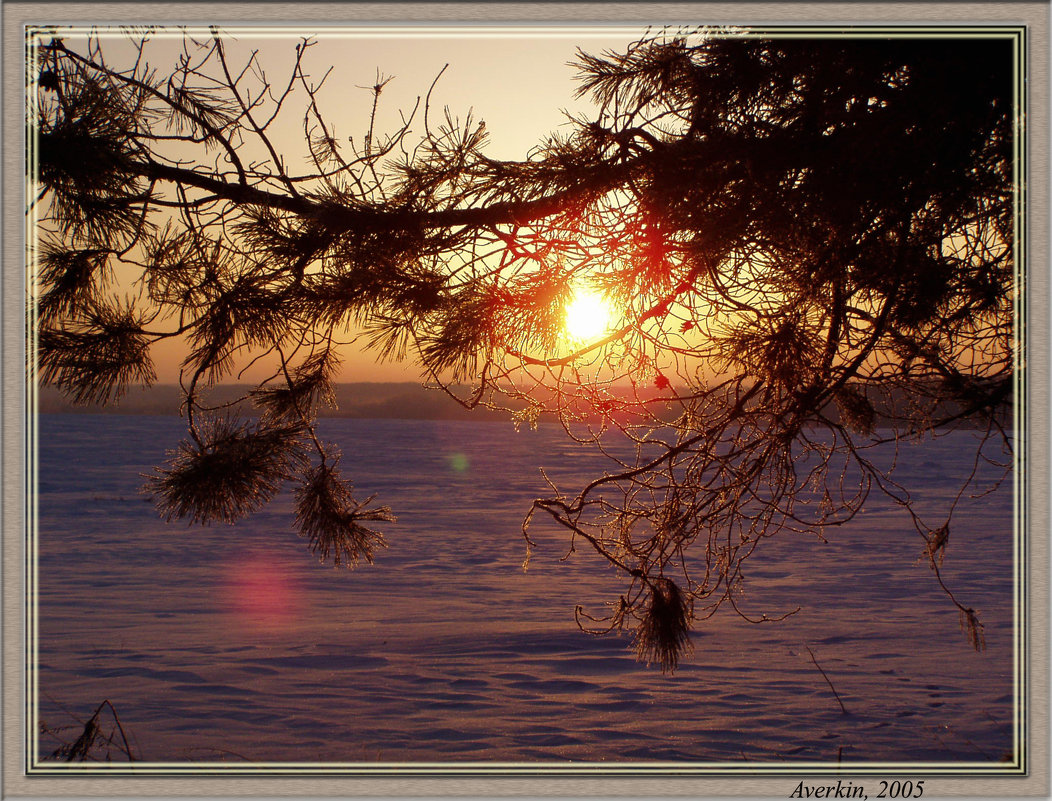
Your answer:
<point x="458" y="462"/>
<point x="260" y="593"/>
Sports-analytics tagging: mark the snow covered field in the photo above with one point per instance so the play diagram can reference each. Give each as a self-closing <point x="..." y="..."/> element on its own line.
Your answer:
<point x="227" y="643"/>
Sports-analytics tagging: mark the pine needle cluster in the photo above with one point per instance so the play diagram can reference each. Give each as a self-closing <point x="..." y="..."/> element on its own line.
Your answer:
<point x="308" y="387"/>
<point x="231" y="468"/>
<point x="328" y="514"/>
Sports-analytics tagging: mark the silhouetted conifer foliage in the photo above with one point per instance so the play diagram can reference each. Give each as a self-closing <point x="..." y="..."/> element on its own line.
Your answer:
<point x="808" y="244"/>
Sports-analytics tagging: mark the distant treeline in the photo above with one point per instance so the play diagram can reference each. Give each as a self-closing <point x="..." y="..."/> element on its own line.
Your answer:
<point x="404" y="400"/>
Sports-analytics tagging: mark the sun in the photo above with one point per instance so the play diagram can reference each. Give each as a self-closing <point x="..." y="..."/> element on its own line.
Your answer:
<point x="588" y="315"/>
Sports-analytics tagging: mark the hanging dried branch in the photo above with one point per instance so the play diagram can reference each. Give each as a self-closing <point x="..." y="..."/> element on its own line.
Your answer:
<point x="663" y="635"/>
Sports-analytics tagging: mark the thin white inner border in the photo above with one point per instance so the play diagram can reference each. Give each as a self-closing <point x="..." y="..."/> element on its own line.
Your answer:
<point x="601" y="28"/>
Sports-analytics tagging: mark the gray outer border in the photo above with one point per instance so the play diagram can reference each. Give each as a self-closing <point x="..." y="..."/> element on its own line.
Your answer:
<point x="15" y="15"/>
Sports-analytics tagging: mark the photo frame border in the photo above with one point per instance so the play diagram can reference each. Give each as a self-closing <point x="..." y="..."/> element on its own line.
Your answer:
<point x="1034" y="15"/>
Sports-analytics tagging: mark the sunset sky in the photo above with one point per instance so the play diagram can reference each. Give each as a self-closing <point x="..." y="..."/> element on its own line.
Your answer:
<point x="518" y="81"/>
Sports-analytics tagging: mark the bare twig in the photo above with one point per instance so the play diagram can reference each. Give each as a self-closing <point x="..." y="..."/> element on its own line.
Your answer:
<point x="824" y="676"/>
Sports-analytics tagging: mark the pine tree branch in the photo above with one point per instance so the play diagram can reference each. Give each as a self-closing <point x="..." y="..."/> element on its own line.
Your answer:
<point x="601" y="179"/>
